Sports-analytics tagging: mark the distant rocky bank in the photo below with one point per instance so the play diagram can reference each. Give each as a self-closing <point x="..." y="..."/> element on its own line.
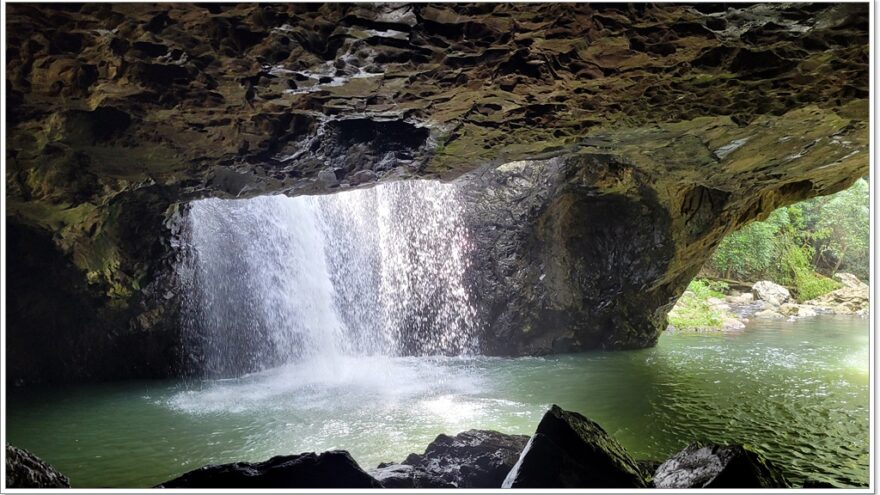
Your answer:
<point x="769" y="300"/>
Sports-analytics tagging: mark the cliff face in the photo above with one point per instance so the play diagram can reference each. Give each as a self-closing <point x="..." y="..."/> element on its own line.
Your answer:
<point x="610" y="148"/>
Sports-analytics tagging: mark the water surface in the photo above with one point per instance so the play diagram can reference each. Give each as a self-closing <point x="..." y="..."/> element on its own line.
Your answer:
<point x="796" y="391"/>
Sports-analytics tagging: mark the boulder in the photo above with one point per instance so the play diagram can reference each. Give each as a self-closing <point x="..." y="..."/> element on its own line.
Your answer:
<point x="768" y="314"/>
<point x="406" y="476"/>
<point x="716" y="302"/>
<point x="570" y="451"/>
<point x="731" y="323"/>
<point x="806" y="311"/>
<point x="770" y="292"/>
<point x="718" y="466"/>
<point x="851" y="281"/>
<point x="740" y="299"/>
<point x="328" y="178"/>
<point x="471" y="459"/>
<point x="852" y="298"/>
<point x="332" y="469"/>
<point x="789" y="309"/>
<point x="25" y="470"/>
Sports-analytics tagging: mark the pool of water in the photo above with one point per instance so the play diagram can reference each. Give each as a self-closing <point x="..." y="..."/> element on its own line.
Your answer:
<point x="796" y="391"/>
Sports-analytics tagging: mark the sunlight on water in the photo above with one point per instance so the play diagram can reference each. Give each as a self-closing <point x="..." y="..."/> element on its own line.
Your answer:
<point x="316" y="385"/>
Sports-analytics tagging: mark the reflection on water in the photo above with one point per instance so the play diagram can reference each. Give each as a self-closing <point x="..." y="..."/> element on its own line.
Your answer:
<point x="796" y="391"/>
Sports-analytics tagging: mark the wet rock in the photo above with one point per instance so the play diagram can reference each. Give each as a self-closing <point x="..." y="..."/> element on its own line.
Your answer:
<point x="328" y="178"/>
<point x="788" y="309"/>
<point x="740" y="299"/>
<point x="768" y="314"/>
<point x="332" y="469"/>
<point x="25" y="470"/>
<point x="718" y="466"/>
<point x="531" y="300"/>
<point x="471" y="459"/>
<point x="363" y="177"/>
<point x="806" y="311"/>
<point x="770" y="292"/>
<point x="731" y="324"/>
<point x="794" y="310"/>
<point x="406" y="476"/>
<point x="570" y="451"/>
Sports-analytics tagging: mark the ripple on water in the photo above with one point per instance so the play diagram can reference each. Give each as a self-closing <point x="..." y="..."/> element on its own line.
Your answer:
<point x="804" y="407"/>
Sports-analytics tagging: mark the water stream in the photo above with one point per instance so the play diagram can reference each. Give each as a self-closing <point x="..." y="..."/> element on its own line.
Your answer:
<point x="797" y="391"/>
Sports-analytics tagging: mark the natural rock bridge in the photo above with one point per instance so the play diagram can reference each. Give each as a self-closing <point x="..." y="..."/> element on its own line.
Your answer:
<point x="604" y="151"/>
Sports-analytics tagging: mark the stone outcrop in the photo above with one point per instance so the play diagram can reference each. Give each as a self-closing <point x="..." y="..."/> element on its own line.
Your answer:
<point x="471" y="459"/>
<point x="613" y="147"/>
<point x="852" y="298"/>
<point x="851" y="281"/>
<point x="717" y="466"/>
<point x="571" y="451"/>
<point x="333" y="469"/>
<point x="772" y="293"/>
<point x="25" y="470"/>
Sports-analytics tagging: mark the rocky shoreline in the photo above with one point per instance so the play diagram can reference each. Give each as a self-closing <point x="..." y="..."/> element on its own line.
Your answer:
<point x="769" y="300"/>
<point x="567" y="450"/>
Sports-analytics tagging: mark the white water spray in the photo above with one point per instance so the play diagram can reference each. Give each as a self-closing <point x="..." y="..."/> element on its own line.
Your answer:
<point x="380" y="271"/>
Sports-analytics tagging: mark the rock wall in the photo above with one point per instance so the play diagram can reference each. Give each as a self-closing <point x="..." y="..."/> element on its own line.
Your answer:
<point x="647" y="133"/>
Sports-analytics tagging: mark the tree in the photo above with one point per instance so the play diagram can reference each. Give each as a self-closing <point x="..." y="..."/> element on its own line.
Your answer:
<point x="802" y="244"/>
<point x="845" y="217"/>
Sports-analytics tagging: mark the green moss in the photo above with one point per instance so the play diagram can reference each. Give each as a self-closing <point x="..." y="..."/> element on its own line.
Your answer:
<point x="807" y="283"/>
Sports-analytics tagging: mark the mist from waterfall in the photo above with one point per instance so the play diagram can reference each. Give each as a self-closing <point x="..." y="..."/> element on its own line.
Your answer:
<point x="275" y="280"/>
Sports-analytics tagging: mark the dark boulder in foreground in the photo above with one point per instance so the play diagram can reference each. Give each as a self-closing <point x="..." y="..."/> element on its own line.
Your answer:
<point x="571" y="451"/>
<point x="718" y="466"/>
<point x="333" y="469"/>
<point x="406" y="476"/>
<point x="471" y="459"/>
<point x="25" y="470"/>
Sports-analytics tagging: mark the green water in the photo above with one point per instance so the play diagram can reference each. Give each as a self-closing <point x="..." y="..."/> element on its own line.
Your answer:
<point x="797" y="391"/>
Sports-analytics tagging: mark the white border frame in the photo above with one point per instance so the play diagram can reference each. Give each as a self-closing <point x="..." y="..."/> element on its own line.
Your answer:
<point x="872" y="324"/>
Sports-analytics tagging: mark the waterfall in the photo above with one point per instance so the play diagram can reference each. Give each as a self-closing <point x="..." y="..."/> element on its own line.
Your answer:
<point x="274" y="280"/>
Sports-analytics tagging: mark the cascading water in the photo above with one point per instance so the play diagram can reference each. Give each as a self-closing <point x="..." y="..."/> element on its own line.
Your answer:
<point x="274" y="280"/>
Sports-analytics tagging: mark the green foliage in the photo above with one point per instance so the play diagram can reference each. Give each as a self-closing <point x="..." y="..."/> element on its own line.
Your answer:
<point x="750" y="250"/>
<point x="705" y="289"/>
<point x="803" y="244"/>
<point x="693" y="311"/>
<point x="798" y="272"/>
<point x="844" y="219"/>
<point x="717" y="288"/>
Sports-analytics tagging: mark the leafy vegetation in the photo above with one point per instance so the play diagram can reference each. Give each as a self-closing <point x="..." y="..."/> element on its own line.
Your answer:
<point x="694" y="311"/>
<point x="802" y="245"/>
